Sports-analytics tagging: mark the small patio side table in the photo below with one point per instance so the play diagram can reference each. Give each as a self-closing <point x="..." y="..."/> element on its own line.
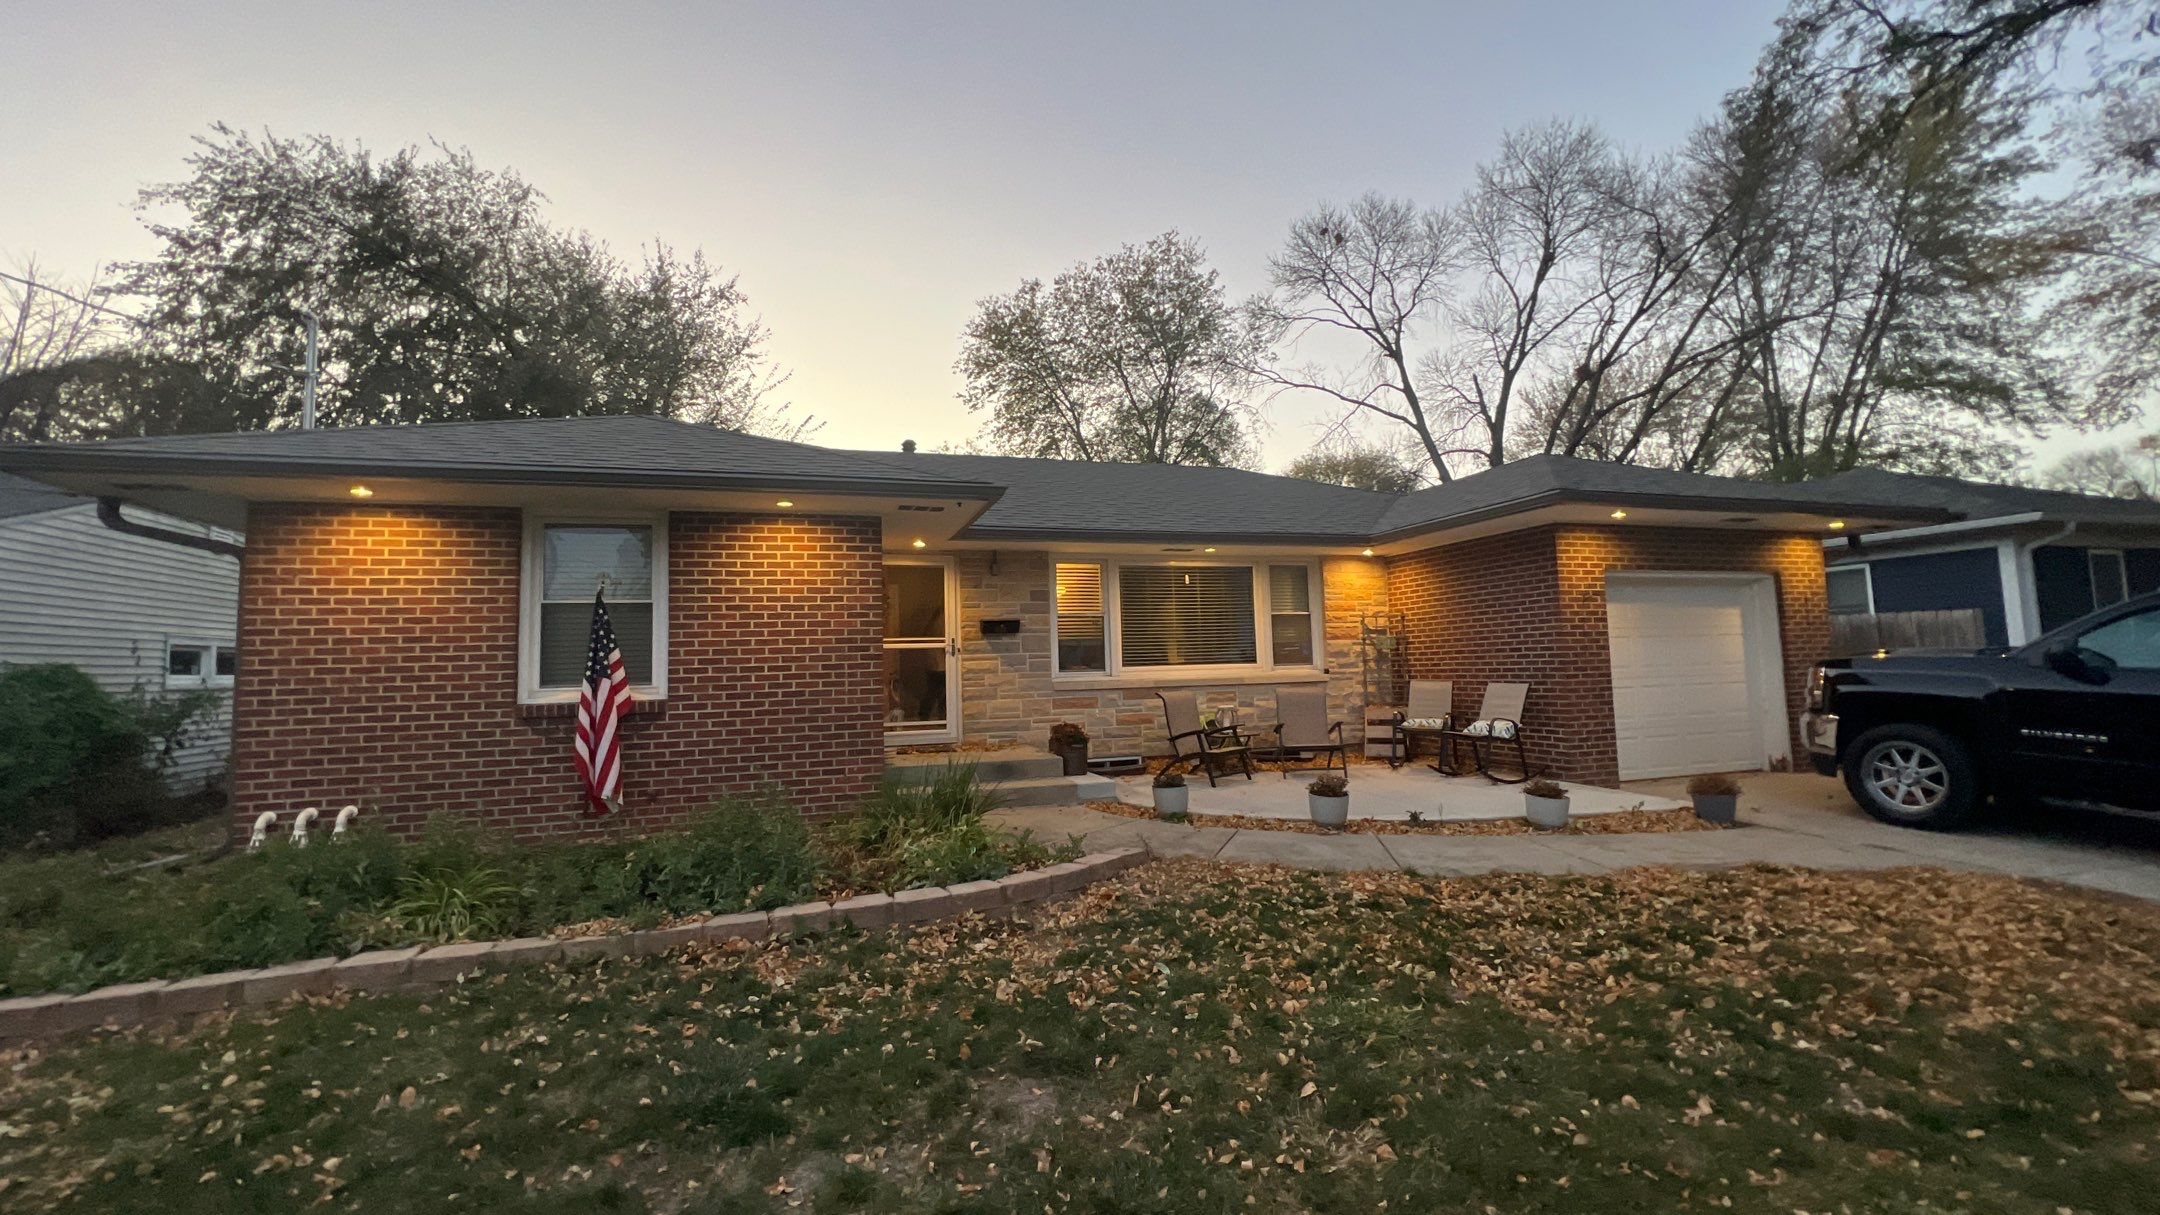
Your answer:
<point x="1403" y="748"/>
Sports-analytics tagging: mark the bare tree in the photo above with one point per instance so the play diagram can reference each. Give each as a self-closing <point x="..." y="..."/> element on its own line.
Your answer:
<point x="1377" y="271"/>
<point x="2128" y="470"/>
<point x="44" y="326"/>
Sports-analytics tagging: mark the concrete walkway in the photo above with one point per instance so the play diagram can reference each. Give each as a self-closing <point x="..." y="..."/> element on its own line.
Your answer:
<point x="1790" y="819"/>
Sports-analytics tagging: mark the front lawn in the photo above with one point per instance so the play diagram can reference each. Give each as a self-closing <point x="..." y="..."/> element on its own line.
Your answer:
<point x="1200" y="1038"/>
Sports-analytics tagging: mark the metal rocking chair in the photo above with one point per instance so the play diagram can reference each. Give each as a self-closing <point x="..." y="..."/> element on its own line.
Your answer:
<point x="1193" y="741"/>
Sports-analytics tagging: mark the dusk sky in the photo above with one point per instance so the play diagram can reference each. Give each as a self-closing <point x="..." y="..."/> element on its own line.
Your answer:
<point x="869" y="171"/>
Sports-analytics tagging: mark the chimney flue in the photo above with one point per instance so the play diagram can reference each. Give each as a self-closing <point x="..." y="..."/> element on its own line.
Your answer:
<point x="907" y="445"/>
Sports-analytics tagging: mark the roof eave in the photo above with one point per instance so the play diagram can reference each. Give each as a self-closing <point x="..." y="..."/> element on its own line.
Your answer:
<point x="33" y="460"/>
<point x="1689" y="502"/>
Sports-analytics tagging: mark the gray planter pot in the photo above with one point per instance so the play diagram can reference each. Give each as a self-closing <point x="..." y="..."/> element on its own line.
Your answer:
<point x="1170" y="802"/>
<point x="1720" y="809"/>
<point x="1545" y="811"/>
<point x="1075" y="756"/>
<point x="1328" y="812"/>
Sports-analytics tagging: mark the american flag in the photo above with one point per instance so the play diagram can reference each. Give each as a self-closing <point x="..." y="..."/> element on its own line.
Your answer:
<point x="601" y="705"/>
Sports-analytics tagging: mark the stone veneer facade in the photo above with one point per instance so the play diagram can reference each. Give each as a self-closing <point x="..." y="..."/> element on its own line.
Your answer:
<point x="1009" y="694"/>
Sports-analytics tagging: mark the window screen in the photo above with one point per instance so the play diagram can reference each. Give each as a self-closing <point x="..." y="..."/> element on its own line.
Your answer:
<point x="1081" y="638"/>
<point x="574" y="560"/>
<point x="1290" y="609"/>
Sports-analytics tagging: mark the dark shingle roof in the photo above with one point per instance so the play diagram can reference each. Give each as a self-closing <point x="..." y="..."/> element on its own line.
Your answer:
<point x="1537" y="480"/>
<point x="625" y="448"/>
<point x="1981" y="500"/>
<point x="1083" y="500"/>
<point x="22" y="496"/>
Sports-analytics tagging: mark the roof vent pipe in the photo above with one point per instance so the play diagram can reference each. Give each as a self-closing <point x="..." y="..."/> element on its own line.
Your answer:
<point x="907" y="445"/>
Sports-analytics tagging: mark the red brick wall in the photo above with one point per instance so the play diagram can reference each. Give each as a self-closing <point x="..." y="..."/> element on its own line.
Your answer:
<point x="378" y="664"/>
<point x="1530" y="606"/>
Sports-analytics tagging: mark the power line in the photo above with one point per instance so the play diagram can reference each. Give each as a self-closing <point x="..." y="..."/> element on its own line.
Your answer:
<point x="38" y="286"/>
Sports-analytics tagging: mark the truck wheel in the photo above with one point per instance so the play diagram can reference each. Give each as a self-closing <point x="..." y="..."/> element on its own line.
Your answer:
<point x="1913" y="776"/>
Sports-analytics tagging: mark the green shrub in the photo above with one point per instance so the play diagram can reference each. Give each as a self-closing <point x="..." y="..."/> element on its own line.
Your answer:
<point x="899" y="811"/>
<point x="78" y="763"/>
<point x="970" y="852"/>
<point x="741" y="853"/>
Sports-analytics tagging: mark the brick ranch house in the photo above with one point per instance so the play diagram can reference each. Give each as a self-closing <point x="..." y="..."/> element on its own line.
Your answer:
<point x="415" y="603"/>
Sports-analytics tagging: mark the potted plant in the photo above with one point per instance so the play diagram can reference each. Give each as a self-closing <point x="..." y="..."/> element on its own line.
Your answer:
<point x="1545" y="804"/>
<point x="1327" y="799"/>
<point x="1716" y="798"/>
<point x="1070" y="743"/>
<point x="1170" y="794"/>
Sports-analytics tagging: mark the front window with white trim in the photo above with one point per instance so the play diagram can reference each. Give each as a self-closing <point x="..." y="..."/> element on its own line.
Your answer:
<point x="567" y="561"/>
<point x="1185" y="617"/>
<point x="199" y="664"/>
<point x="2110" y="581"/>
<point x="1851" y="588"/>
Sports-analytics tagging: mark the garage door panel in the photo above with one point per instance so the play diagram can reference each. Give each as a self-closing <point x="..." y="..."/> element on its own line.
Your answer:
<point x="1683" y="698"/>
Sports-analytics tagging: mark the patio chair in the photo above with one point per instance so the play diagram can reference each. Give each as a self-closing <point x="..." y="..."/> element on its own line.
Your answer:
<point x="1302" y="725"/>
<point x="1193" y="741"/>
<point x="1429" y="715"/>
<point x="1498" y="723"/>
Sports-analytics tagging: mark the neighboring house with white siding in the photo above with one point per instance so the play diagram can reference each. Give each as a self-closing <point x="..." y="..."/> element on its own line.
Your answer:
<point x="132" y="612"/>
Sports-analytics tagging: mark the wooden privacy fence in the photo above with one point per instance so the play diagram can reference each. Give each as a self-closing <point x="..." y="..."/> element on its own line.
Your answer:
<point x="1958" y="628"/>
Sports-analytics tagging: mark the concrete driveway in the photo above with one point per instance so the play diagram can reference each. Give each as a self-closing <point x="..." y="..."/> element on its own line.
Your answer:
<point x="1789" y="819"/>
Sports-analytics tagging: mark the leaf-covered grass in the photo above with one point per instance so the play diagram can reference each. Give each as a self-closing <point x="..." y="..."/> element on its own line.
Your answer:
<point x="75" y="920"/>
<point x="1200" y="1038"/>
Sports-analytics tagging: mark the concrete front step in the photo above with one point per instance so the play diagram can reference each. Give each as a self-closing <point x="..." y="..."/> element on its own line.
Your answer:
<point x="1056" y="791"/>
<point x="991" y="767"/>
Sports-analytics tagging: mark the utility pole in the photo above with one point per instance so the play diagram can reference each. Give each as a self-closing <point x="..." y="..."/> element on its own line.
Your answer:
<point x="307" y="397"/>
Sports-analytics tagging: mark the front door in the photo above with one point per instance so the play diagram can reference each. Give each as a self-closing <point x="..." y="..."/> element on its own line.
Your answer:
<point x="922" y="670"/>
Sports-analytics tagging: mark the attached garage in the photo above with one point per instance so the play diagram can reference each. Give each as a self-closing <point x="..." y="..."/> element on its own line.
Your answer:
<point x="1698" y="685"/>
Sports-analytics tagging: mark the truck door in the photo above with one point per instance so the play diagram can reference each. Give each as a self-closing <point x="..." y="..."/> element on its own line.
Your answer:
<point x="2084" y="721"/>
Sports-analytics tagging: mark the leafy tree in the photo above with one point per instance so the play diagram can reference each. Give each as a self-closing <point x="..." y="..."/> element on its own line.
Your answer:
<point x="1387" y="468"/>
<point x="1136" y="356"/>
<point x="442" y="292"/>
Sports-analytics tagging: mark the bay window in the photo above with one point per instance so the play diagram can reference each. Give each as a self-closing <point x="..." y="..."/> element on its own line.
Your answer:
<point x="566" y="563"/>
<point x="1140" y="617"/>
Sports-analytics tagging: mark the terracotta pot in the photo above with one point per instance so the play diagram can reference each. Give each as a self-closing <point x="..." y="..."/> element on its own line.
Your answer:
<point x="1328" y="812"/>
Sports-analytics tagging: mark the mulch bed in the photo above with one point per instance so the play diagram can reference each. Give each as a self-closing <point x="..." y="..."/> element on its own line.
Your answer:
<point x="1620" y="822"/>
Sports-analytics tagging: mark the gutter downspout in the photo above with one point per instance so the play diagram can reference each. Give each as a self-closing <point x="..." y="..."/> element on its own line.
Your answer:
<point x="2029" y="583"/>
<point x="108" y="512"/>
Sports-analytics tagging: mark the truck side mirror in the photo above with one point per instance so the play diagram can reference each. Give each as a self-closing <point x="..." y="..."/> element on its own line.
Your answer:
<point x="2067" y="660"/>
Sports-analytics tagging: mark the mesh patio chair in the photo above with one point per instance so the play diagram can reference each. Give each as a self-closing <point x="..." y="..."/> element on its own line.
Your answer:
<point x="1498" y="723"/>
<point x="1429" y="715"/>
<point x="1193" y="741"/>
<point x="1302" y="726"/>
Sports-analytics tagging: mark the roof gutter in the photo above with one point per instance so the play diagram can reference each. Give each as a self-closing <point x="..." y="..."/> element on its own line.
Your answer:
<point x="1934" y="530"/>
<point x="108" y="513"/>
<point x="1705" y="504"/>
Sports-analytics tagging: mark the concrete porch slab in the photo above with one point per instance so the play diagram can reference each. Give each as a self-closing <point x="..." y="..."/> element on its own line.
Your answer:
<point x="1387" y="794"/>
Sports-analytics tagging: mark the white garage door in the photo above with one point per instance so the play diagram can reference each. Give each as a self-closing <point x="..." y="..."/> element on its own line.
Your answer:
<point x="1696" y="685"/>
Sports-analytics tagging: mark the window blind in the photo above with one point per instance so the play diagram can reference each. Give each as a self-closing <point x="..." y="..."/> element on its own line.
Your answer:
<point x="1186" y="615"/>
<point x="573" y="560"/>
<point x="1081" y="637"/>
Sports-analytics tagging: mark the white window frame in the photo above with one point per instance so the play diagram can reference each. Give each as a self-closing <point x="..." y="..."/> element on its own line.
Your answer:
<point x="2092" y="579"/>
<point x="1867" y="580"/>
<point x="1263" y="621"/>
<point x="209" y="677"/>
<point x="531" y="561"/>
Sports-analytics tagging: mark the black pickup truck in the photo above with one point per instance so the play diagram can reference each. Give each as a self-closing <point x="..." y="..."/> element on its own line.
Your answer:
<point x="1925" y="737"/>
